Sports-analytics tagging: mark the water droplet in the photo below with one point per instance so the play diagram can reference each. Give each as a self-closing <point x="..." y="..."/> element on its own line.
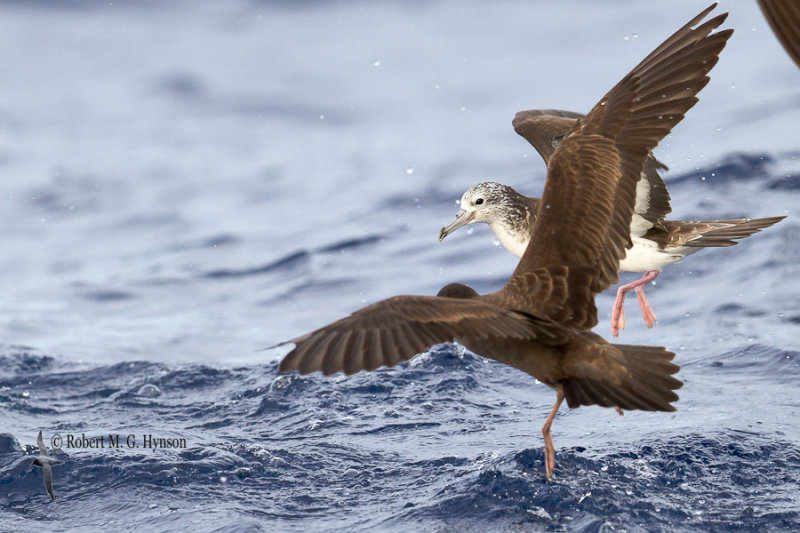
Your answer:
<point x="282" y="382"/>
<point x="322" y="117"/>
<point x="223" y="479"/>
<point x="149" y="390"/>
<point x="625" y="38"/>
<point x="25" y="394"/>
<point x="410" y="170"/>
<point x="376" y="63"/>
<point x="733" y="85"/>
<point x="463" y="108"/>
<point x="702" y="178"/>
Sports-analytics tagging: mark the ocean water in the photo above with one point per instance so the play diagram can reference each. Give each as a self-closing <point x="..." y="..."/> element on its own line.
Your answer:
<point x="187" y="183"/>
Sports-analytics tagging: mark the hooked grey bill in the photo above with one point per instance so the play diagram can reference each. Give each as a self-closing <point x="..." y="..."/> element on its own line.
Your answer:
<point x="462" y="219"/>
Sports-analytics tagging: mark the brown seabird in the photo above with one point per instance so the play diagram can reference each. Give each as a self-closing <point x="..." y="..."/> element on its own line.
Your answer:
<point x="656" y="242"/>
<point x="540" y="321"/>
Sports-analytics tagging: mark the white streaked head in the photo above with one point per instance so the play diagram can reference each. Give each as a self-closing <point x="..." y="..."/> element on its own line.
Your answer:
<point x="487" y="202"/>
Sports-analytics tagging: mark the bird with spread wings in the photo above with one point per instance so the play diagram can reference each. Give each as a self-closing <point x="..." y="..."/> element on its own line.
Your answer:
<point x="540" y="321"/>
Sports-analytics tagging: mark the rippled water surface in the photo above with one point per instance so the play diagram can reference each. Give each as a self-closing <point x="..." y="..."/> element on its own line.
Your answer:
<point x="187" y="183"/>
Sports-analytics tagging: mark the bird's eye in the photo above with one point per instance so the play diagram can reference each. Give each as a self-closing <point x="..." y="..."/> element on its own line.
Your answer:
<point x="479" y="201"/>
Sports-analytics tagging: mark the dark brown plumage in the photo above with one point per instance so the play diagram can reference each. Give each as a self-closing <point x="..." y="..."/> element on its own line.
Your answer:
<point x="540" y="321"/>
<point x="545" y="128"/>
<point x="784" y="19"/>
<point x="656" y="242"/>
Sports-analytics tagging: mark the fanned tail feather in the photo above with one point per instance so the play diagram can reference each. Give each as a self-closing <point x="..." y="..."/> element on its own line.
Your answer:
<point x="647" y="385"/>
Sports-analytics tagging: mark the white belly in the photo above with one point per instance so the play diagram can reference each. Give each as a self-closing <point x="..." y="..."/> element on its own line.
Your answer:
<point x="645" y="256"/>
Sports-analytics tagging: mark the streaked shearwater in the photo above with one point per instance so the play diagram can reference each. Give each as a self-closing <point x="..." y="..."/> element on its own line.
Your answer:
<point x="656" y="242"/>
<point x="45" y="462"/>
<point x="540" y="321"/>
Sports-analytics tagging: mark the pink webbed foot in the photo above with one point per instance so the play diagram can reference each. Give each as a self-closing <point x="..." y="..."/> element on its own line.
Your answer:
<point x="647" y="311"/>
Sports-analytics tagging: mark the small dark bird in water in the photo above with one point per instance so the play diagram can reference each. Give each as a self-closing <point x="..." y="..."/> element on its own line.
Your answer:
<point x="45" y="462"/>
<point x="540" y="321"/>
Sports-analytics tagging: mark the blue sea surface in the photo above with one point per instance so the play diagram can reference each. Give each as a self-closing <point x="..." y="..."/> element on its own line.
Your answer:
<point x="187" y="183"/>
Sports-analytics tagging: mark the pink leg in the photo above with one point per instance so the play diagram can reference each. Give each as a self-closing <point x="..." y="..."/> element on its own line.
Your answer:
<point x="549" y="449"/>
<point x="618" y="314"/>
<point x="647" y="311"/>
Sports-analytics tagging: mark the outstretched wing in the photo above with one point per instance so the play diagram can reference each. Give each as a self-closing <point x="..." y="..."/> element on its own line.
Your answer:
<point x="398" y="328"/>
<point x="40" y="444"/>
<point x="711" y="233"/>
<point x="48" y="481"/>
<point x="546" y="128"/>
<point x="784" y="18"/>
<point x="582" y="230"/>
